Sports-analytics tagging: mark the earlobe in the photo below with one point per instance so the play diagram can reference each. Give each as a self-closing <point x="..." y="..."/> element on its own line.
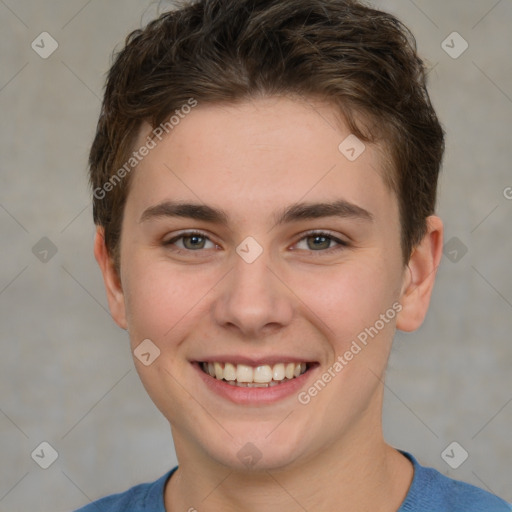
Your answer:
<point x="115" y="295"/>
<point x="419" y="277"/>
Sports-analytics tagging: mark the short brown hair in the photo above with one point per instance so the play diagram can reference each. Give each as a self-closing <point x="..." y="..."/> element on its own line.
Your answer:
<point x="361" y="60"/>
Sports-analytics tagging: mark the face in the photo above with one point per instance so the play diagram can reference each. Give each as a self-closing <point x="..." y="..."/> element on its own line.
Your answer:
<point x="289" y="261"/>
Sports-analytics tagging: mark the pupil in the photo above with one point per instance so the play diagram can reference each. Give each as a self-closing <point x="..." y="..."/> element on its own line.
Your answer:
<point x="193" y="239"/>
<point x="322" y="238"/>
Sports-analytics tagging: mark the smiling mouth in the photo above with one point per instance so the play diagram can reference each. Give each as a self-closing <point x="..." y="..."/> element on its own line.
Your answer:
<point x="262" y="376"/>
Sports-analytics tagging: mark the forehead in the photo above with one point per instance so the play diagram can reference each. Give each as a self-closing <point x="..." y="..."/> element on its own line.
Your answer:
<point x="259" y="154"/>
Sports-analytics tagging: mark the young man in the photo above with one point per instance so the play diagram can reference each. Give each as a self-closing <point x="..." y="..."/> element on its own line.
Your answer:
<point x="264" y="176"/>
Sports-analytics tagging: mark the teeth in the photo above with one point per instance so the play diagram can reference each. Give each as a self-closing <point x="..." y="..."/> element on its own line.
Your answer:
<point x="219" y="372"/>
<point x="229" y="372"/>
<point x="244" y="373"/>
<point x="278" y="371"/>
<point x="261" y="376"/>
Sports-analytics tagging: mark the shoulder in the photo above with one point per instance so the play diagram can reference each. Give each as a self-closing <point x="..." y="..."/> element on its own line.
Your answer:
<point x="431" y="490"/>
<point x="146" y="497"/>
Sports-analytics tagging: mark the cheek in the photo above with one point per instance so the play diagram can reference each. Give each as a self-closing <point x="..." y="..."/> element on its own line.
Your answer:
<point x="163" y="301"/>
<point x="348" y="297"/>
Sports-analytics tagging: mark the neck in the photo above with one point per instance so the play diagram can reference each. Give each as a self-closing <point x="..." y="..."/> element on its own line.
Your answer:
<point x="359" y="472"/>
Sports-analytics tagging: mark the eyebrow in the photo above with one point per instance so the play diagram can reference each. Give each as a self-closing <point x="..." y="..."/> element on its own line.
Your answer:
<point x="293" y="213"/>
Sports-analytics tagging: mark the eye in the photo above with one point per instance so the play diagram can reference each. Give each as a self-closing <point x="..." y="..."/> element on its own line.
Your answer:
<point x="190" y="241"/>
<point x="320" y="241"/>
<point x="315" y="241"/>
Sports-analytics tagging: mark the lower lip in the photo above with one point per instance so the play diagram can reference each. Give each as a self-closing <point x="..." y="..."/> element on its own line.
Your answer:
<point x="254" y="396"/>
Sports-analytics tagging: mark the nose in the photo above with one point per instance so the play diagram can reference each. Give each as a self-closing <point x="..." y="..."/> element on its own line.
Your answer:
<point x="254" y="300"/>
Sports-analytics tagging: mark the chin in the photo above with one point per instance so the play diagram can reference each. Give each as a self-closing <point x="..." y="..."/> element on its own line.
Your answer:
<point x="258" y="452"/>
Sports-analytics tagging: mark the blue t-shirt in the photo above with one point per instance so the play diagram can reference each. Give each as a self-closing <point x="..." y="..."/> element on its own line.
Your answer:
<point x="430" y="491"/>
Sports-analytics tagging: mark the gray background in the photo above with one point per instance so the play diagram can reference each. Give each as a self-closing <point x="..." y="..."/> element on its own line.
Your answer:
<point x="66" y="373"/>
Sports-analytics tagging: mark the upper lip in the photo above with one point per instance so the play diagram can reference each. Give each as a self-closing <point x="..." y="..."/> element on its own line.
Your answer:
<point x="253" y="361"/>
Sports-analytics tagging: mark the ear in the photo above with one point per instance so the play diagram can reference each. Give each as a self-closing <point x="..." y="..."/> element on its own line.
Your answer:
<point x="115" y="295"/>
<point x="419" y="277"/>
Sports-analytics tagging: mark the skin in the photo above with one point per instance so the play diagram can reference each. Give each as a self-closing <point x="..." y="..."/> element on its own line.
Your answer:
<point x="310" y="300"/>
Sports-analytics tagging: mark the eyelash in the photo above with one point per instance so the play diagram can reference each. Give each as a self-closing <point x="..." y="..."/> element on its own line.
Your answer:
<point x="341" y="243"/>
